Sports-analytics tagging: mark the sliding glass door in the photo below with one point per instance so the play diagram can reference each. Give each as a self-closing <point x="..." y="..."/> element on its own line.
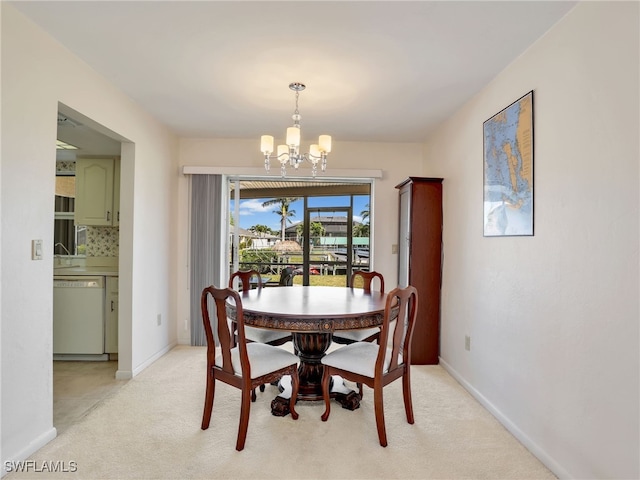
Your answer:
<point x="318" y="229"/>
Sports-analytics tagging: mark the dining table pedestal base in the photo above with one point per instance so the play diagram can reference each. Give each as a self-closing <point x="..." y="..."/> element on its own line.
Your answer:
<point x="311" y="347"/>
<point x="346" y="397"/>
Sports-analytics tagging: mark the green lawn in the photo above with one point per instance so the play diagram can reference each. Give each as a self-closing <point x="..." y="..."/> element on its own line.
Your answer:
<point x="324" y="280"/>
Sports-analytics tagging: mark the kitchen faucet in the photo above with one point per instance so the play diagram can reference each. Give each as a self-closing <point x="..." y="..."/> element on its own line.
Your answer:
<point x="63" y="247"/>
<point x="58" y="257"/>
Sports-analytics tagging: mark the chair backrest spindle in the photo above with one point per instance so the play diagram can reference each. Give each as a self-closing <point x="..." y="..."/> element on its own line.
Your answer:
<point x="367" y="280"/>
<point x="405" y="301"/>
<point x="225" y="334"/>
<point x="286" y="277"/>
<point x="244" y="277"/>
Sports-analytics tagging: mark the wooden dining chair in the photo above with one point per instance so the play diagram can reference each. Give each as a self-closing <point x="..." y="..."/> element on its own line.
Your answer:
<point x="253" y="334"/>
<point x="286" y="277"/>
<point x="244" y="366"/>
<point x="346" y="337"/>
<point x="377" y="365"/>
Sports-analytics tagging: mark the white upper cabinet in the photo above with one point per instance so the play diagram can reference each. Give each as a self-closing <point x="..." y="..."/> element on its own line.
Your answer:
<point x="97" y="191"/>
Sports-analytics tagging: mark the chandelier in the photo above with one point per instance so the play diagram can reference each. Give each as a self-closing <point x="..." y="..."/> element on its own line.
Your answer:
<point x="290" y="153"/>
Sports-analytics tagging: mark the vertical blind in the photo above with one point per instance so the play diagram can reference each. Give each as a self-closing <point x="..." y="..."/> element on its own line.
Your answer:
<point x="206" y="245"/>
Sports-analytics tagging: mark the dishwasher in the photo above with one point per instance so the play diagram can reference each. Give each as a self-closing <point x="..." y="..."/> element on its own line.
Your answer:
<point x="78" y="317"/>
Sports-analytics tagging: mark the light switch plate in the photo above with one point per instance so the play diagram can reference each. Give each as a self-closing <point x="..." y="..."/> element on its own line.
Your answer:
<point x="36" y="249"/>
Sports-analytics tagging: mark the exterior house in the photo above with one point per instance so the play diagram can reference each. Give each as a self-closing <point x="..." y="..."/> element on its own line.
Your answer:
<point x="253" y="240"/>
<point x="334" y="226"/>
<point x="554" y="317"/>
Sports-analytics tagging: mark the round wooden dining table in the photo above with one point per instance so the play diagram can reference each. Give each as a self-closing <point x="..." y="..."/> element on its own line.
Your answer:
<point x="312" y="314"/>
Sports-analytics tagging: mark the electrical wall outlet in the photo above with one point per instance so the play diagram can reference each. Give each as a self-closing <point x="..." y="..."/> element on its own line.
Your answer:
<point x="159" y="319"/>
<point x="467" y="343"/>
<point x="394" y="248"/>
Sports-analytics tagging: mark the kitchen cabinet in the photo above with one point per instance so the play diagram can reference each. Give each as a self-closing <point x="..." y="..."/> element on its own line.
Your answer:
<point x="97" y="191"/>
<point x="111" y="316"/>
<point x="420" y="260"/>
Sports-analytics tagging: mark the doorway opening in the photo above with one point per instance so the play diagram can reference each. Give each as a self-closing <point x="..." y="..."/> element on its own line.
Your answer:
<point x="82" y="376"/>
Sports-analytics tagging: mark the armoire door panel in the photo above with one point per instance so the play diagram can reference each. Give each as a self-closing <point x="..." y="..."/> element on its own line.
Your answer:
<point x="420" y="260"/>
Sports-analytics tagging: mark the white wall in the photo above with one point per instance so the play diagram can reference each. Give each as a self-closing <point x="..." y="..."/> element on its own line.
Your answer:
<point x="396" y="160"/>
<point x="37" y="73"/>
<point x="553" y="318"/>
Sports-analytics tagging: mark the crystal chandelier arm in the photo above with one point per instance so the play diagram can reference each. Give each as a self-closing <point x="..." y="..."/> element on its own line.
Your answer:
<point x="283" y="153"/>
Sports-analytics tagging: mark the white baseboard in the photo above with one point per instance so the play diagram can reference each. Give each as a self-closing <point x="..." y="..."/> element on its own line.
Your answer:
<point x="128" y="374"/>
<point x="533" y="447"/>
<point x="124" y="375"/>
<point x="104" y="357"/>
<point x="10" y="463"/>
<point x="153" y="358"/>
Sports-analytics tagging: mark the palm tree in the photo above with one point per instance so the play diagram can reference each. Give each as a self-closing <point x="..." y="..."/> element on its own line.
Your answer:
<point x="361" y="230"/>
<point x="365" y="213"/>
<point x="283" y="211"/>
<point x="316" y="230"/>
<point x="260" y="230"/>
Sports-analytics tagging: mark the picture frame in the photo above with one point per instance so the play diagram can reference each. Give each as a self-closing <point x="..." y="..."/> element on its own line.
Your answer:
<point x="508" y="170"/>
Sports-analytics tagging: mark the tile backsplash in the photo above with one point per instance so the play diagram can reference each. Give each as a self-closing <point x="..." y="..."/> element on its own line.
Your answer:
<point x="102" y="241"/>
<point x="65" y="167"/>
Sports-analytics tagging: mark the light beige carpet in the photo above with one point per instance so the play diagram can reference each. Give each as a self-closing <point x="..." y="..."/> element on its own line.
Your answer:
<point x="150" y="429"/>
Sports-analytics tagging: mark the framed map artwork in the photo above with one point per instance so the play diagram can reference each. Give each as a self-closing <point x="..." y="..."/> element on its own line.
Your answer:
<point x="508" y="170"/>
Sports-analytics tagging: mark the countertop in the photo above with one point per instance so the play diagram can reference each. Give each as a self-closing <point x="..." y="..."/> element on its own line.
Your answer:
<point x="75" y="270"/>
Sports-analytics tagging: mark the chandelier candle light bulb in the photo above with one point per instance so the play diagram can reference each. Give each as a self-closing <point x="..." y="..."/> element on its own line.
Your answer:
<point x="266" y="144"/>
<point x="290" y="153"/>
<point x="293" y="136"/>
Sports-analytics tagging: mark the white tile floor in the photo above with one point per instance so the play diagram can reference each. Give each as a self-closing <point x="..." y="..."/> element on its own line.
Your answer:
<point x="78" y="387"/>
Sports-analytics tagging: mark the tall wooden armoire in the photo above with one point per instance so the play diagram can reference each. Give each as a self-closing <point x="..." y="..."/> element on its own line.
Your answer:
<point x="420" y="260"/>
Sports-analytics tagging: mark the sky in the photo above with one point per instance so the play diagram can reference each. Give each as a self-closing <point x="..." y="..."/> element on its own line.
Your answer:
<point x="253" y="213"/>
